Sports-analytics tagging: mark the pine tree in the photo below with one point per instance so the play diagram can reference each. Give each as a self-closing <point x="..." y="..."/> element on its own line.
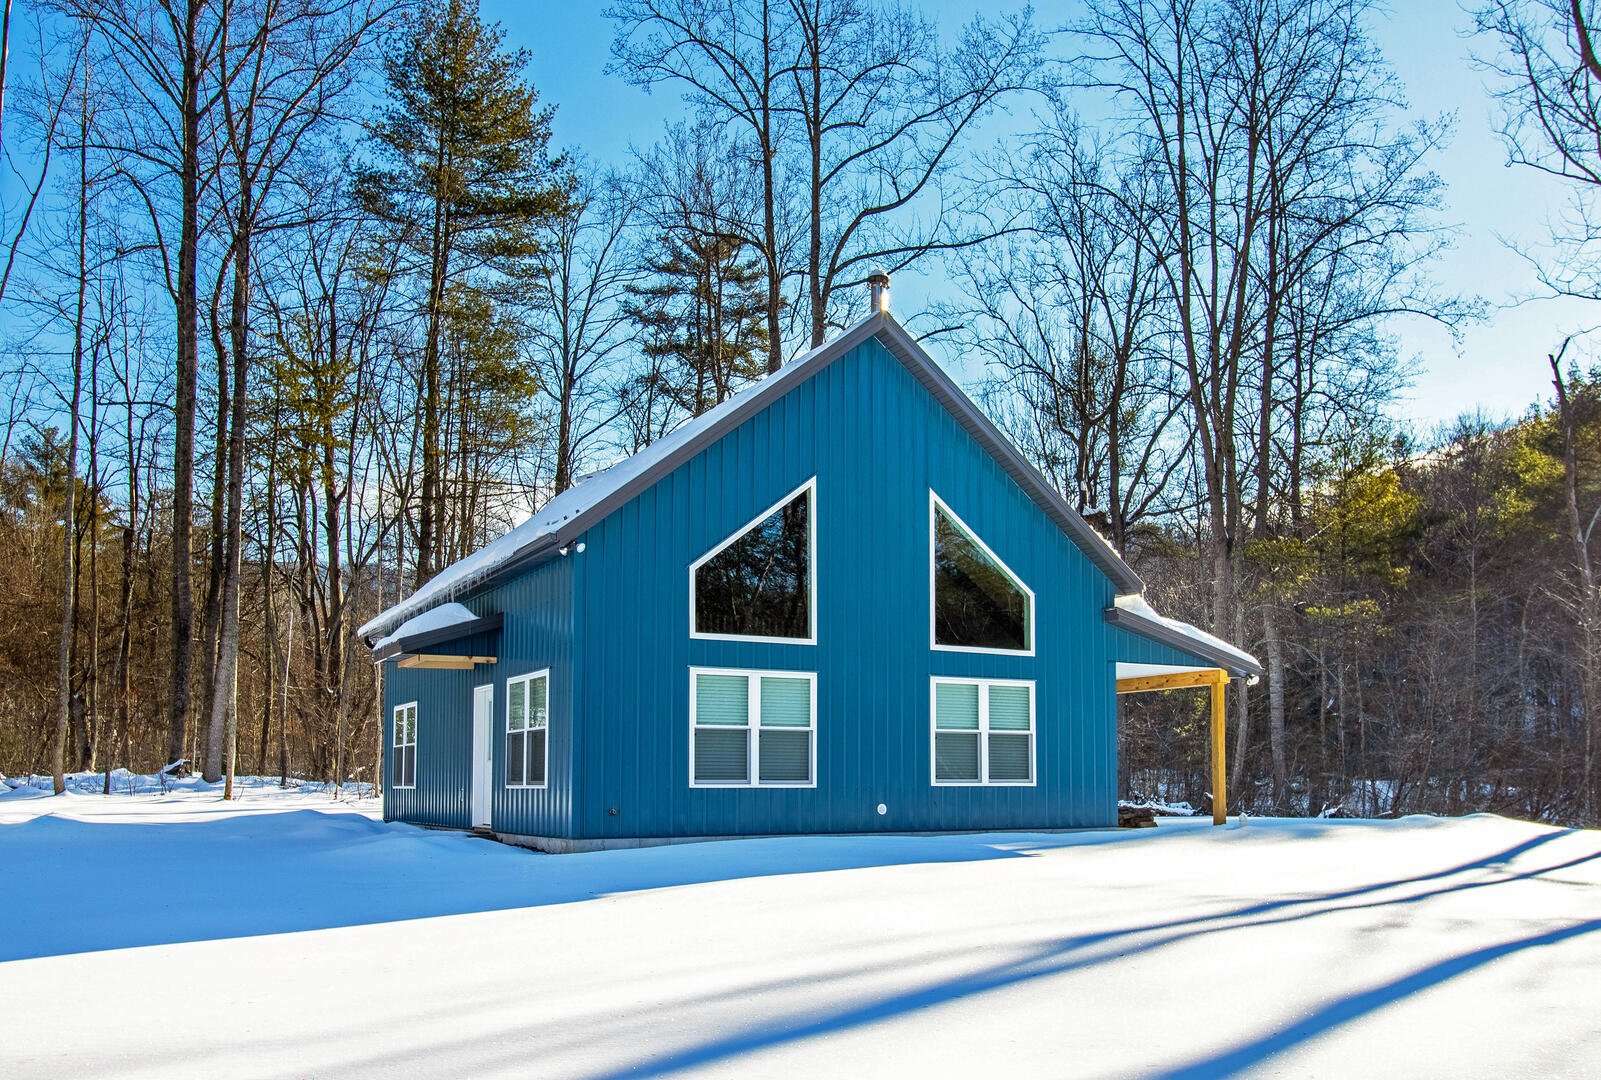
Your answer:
<point x="703" y="317"/>
<point x="466" y="178"/>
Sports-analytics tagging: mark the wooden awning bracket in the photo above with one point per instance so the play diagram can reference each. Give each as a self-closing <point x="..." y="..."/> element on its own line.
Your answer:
<point x="442" y="661"/>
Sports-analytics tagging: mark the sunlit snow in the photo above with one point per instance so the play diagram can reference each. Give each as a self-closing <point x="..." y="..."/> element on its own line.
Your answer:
<point x="289" y="934"/>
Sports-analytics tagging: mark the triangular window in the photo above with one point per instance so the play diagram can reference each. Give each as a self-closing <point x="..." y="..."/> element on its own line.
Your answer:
<point x="978" y="602"/>
<point x="759" y="582"/>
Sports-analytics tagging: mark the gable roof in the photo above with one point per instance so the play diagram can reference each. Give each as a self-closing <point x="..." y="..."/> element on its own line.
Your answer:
<point x="579" y="508"/>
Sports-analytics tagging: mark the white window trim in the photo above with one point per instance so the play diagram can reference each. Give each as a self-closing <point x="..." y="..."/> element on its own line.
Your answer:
<point x="394" y="736"/>
<point x="753" y="717"/>
<point x="936" y="504"/>
<point x="983" y="732"/>
<point x="809" y="488"/>
<point x="543" y="673"/>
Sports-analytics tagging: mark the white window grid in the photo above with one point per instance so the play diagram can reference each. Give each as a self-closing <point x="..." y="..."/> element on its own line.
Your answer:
<point x="983" y="732"/>
<point x="753" y="703"/>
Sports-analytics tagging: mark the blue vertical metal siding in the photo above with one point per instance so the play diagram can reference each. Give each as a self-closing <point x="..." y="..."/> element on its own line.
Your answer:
<point x="536" y="634"/>
<point x="877" y="443"/>
<point x="444" y="746"/>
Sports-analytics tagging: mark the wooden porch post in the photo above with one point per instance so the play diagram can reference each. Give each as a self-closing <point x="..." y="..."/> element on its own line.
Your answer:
<point x="1220" y="801"/>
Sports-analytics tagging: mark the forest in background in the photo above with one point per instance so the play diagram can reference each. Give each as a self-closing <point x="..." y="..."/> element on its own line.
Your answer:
<point x="301" y="304"/>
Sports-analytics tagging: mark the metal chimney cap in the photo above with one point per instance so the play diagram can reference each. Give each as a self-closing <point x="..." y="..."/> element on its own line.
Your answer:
<point x="878" y="291"/>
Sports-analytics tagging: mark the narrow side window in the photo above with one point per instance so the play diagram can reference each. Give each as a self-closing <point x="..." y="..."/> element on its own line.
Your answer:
<point x="403" y="761"/>
<point x="527" y="729"/>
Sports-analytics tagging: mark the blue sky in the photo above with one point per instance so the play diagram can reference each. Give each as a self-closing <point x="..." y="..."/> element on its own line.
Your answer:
<point x="1497" y="365"/>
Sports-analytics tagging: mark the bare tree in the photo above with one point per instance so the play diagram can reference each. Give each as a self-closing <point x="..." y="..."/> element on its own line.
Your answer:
<point x="1069" y="312"/>
<point x="69" y="577"/>
<point x="1546" y="76"/>
<point x="1271" y="127"/>
<point x="1586" y="600"/>
<point x="50" y="98"/>
<point x="293" y="65"/>
<point x="734" y="59"/>
<point x="163" y="56"/>
<point x="580" y="333"/>
<point x="883" y="109"/>
<point x="5" y="54"/>
<point x="854" y="111"/>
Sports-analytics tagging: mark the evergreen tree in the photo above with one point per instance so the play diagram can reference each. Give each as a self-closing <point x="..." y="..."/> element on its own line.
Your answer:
<point x="703" y="311"/>
<point x="466" y="178"/>
<point x="703" y="317"/>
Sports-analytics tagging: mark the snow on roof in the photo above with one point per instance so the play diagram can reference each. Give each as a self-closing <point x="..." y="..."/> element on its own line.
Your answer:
<point x="436" y="618"/>
<point x="1140" y="607"/>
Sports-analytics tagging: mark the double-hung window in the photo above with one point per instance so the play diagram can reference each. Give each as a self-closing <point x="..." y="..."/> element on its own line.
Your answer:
<point x="527" y="729"/>
<point x="983" y="731"/>
<point x="752" y="728"/>
<point x="403" y="762"/>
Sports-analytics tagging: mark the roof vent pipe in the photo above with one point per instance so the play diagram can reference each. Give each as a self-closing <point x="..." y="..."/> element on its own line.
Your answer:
<point x="878" y="290"/>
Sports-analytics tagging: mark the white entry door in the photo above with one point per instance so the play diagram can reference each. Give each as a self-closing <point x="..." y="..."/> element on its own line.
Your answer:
<point x="483" y="766"/>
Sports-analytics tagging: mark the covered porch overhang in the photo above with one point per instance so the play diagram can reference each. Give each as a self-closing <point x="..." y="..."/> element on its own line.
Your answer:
<point x="1160" y="654"/>
<point x="448" y="638"/>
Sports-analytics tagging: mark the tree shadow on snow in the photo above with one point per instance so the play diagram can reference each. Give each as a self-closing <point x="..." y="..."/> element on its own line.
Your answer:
<point x="1351" y="1007"/>
<point x="83" y="886"/>
<point x="1064" y="955"/>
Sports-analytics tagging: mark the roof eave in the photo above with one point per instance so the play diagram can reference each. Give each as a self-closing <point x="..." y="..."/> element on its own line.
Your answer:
<point x="1235" y="663"/>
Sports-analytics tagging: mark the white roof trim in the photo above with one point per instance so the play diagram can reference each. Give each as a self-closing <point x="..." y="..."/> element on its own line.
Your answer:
<point x="1135" y="614"/>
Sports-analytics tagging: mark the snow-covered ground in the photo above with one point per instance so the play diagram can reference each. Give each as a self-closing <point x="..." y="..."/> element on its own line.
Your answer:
<point x="288" y="934"/>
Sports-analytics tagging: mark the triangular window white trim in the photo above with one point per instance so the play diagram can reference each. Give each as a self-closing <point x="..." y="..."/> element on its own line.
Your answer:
<point x="809" y="490"/>
<point x="937" y="505"/>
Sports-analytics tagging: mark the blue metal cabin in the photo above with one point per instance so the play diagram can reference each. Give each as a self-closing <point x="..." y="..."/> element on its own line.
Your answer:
<point x="593" y="597"/>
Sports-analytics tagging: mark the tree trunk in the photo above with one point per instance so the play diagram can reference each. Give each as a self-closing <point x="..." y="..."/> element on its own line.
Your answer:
<point x="1588" y="607"/>
<point x="1275" y="706"/>
<point x="93" y="723"/>
<point x="226" y="679"/>
<point x="69" y="523"/>
<point x="269" y="651"/>
<point x="211" y="610"/>
<point x="184" y="391"/>
<point x="814" y="243"/>
<point x="283" y="708"/>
